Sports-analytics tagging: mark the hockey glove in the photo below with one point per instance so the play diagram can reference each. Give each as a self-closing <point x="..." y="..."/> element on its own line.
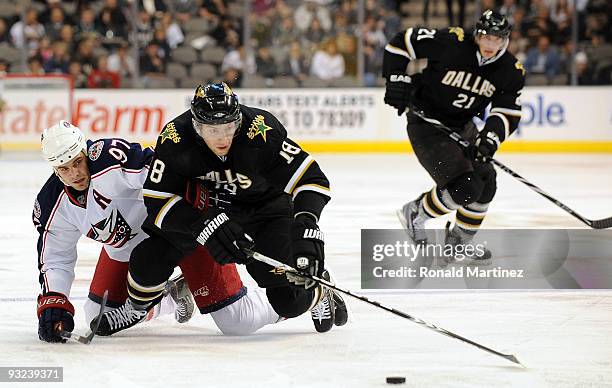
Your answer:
<point x="307" y="250"/>
<point x="398" y="92"/>
<point x="55" y="314"/>
<point x="487" y="144"/>
<point x="224" y="238"/>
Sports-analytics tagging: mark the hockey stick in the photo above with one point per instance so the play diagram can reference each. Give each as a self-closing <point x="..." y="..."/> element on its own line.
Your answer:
<point x="285" y="267"/>
<point x="86" y="340"/>
<point x="603" y="223"/>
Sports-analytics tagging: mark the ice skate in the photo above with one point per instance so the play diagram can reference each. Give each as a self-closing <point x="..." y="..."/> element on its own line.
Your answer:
<point x="121" y="318"/>
<point x="179" y="291"/>
<point x="331" y="309"/>
<point x="458" y="236"/>
<point x="412" y="218"/>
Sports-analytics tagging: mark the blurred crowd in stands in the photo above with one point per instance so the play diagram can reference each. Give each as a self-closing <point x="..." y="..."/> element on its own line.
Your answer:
<point x="290" y="43"/>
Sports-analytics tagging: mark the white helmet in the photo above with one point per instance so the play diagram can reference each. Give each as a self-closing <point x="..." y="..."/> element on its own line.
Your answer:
<point x="62" y="142"/>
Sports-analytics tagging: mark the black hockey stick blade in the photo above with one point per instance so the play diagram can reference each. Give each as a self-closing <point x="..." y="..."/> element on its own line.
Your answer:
<point x="285" y="267"/>
<point x="86" y="340"/>
<point x="604" y="223"/>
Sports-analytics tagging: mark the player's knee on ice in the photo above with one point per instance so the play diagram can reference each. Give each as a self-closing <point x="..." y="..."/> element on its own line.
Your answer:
<point x="246" y="315"/>
<point x="290" y="302"/>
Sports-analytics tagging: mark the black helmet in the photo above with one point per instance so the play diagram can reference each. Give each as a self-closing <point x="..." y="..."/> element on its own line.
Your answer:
<point x="215" y="104"/>
<point x="493" y="23"/>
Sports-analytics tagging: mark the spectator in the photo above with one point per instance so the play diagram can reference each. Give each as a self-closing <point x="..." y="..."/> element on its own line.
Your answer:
<point x="102" y="77"/>
<point x="232" y="77"/>
<point x="109" y="28"/>
<point x="144" y="29"/>
<point x="295" y="65"/>
<point x="122" y="63"/>
<point x="347" y="47"/>
<point x="67" y="37"/>
<point x="55" y="24"/>
<point x="307" y="12"/>
<point x="117" y="16"/>
<point x="285" y="32"/>
<point x="174" y="35"/>
<point x="226" y="33"/>
<point x="266" y="66"/>
<point x="79" y="80"/>
<point x="4" y="34"/>
<point x="85" y="55"/>
<point x="35" y="66"/>
<point x="183" y="10"/>
<point x="543" y="59"/>
<point x="584" y="72"/>
<point x="27" y="33"/>
<point x="327" y="63"/>
<point x="159" y="38"/>
<point x="155" y="8"/>
<point x="86" y="27"/>
<point x="150" y="62"/>
<point x="213" y="10"/>
<point x="44" y="49"/>
<point x="237" y="59"/>
<point x="315" y="32"/>
<point x="59" y="61"/>
<point x="540" y="25"/>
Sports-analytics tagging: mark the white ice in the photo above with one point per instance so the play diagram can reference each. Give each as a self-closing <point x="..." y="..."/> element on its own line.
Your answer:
<point x="563" y="337"/>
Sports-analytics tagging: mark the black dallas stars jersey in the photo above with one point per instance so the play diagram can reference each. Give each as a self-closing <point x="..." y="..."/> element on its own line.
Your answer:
<point x="262" y="164"/>
<point x="454" y="87"/>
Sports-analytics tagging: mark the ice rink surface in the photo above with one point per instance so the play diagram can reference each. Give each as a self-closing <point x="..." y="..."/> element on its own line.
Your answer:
<point x="563" y="337"/>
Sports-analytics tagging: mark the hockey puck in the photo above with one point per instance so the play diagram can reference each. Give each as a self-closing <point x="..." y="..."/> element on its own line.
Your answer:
<point x="396" y="380"/>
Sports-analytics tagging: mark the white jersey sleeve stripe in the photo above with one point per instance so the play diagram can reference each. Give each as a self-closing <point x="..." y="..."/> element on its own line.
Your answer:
<point x="165" y="209"/>
<point x="411" y="53"/>
<point x="396" y="50"/>
<point x="511" y="112"/>
<point x="298" y="174"/>
<point x="47" y="227"/>
<point x="156" y="194"/>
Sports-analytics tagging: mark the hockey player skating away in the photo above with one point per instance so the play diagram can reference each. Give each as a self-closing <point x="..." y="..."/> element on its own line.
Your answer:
<point x="465" y="73"/>
<point x="96" y="191"/>
<point x="251" y="187"/>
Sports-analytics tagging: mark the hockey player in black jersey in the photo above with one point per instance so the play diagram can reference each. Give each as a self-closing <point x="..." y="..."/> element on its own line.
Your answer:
<point x="464" y="74"/>
<point x="226" y="177"/>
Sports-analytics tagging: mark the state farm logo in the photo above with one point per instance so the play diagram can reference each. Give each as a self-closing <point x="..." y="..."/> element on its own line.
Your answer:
<point x="202" y="291"/>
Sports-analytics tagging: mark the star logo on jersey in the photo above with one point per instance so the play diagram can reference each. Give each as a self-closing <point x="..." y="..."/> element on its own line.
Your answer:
<point x="258" y="127"/>
<point x="113" y="230"/>
<point x="519" y="66"/>
<point x="457" y="31"/>
<point x="170" y="132"/>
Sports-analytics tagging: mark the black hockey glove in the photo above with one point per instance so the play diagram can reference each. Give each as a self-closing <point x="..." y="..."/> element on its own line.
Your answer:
<point x="398" y="92"/>
<point x="486" y="144"/>
<point x="307" y="250"/>
<point x="224" y="238"/>
<point x="55" y="314"/>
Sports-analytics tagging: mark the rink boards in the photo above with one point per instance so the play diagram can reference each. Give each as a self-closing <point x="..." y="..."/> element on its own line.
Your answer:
<point x="555" y="119"/>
